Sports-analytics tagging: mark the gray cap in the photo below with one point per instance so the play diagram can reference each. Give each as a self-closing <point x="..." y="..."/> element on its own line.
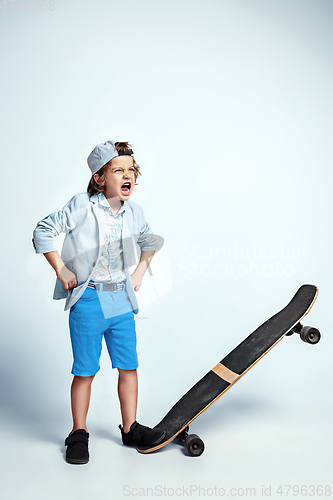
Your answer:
<point x="103" y="153"/>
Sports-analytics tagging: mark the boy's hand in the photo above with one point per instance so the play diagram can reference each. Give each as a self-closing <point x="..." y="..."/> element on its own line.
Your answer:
<point x="67" y="278"/>
<point x="141" y="268"/>
<point x="136" y="281"/>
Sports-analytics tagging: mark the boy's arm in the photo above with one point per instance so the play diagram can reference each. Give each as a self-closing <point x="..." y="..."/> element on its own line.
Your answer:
<point x="137" y="276"/>
<point x="67" y="278"/>
<point x="63" y="221"/>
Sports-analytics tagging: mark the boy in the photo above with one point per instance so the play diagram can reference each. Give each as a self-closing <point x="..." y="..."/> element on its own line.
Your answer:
<point x="103" y="229"/>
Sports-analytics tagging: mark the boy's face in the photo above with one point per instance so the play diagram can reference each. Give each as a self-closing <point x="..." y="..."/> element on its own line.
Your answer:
<point x="119" y="178"/>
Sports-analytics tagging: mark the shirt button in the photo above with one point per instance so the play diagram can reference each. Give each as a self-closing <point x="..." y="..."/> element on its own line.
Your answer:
<point x="94" y="264"/>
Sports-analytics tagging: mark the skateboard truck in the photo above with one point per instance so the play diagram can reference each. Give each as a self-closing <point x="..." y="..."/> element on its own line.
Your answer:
<point x="192" y="443"/>
<point x="308" y="334"/>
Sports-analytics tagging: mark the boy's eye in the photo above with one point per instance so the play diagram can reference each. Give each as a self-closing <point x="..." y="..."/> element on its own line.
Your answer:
<point x="120" y="170"/>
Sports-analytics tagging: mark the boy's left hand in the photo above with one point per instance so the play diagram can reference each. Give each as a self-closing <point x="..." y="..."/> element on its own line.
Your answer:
<point x="136" y="281"/>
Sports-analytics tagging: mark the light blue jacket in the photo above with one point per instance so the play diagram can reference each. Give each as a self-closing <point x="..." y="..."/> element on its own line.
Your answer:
<point x="83" y="221"/>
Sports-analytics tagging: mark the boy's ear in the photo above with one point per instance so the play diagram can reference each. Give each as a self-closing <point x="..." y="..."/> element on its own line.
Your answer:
<point x="97" y="178"/>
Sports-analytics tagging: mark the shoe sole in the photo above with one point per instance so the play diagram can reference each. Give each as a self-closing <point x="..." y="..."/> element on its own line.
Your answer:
<point x="77" y="461"/>
<point x="159" y="439"/>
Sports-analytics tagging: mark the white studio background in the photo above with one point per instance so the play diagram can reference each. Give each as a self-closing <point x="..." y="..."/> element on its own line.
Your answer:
<point x="228" y="105"/>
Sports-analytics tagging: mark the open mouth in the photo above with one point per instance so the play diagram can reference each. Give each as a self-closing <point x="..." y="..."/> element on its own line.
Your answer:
<point x="125" y="188"/>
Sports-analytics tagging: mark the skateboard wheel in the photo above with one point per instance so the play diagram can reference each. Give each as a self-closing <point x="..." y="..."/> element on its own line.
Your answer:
<point x="194" y="445"/>
<point x="310" y="335"/>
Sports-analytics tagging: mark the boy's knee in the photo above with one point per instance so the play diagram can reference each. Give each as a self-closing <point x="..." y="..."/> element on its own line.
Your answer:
<point x="126" y="373"/>
<point x="86" y="380"/>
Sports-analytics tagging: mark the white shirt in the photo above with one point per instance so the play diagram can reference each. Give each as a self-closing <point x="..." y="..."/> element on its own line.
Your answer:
<point x="110" y="266"/>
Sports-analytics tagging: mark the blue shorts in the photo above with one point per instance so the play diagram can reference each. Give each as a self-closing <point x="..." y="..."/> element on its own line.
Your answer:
<point x="102" y="314"/>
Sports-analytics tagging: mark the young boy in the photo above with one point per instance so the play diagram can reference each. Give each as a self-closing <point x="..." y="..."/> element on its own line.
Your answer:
<point x="103" y="231"/>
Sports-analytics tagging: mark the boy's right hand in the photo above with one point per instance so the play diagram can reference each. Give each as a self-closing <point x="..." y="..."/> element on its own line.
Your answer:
<point x="67" y="278"/>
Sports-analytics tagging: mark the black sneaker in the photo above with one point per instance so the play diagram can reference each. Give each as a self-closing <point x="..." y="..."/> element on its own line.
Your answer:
<point x="140" y="435"/>
<point x="77" y="447"/>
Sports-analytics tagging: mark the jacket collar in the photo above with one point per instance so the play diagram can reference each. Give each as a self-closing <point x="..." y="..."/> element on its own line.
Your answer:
<point x="94" y="198"/>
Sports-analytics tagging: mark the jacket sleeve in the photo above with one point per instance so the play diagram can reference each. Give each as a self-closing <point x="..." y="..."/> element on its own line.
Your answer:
<point x="147" y="240"/>
<point x="47" y="230"/>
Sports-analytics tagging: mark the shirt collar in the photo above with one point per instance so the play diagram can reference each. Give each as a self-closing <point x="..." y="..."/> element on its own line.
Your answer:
<point x="104" y="203"/>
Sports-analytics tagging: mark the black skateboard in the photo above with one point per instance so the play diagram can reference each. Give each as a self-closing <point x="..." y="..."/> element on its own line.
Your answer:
<point x="231" y="368"/>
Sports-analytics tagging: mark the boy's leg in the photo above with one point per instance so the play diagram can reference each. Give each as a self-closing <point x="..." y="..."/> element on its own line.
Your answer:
<point x="133" y="433"/>
<point x="87" y="325"/>
<point x="128" y="396"/>
<point x="80" y="399"/>
<point x="77" y="440"/>
<point x="120" y="339"/>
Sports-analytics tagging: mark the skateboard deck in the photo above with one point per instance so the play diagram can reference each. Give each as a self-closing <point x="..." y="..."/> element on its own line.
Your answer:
<point x="231" y="368"/>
